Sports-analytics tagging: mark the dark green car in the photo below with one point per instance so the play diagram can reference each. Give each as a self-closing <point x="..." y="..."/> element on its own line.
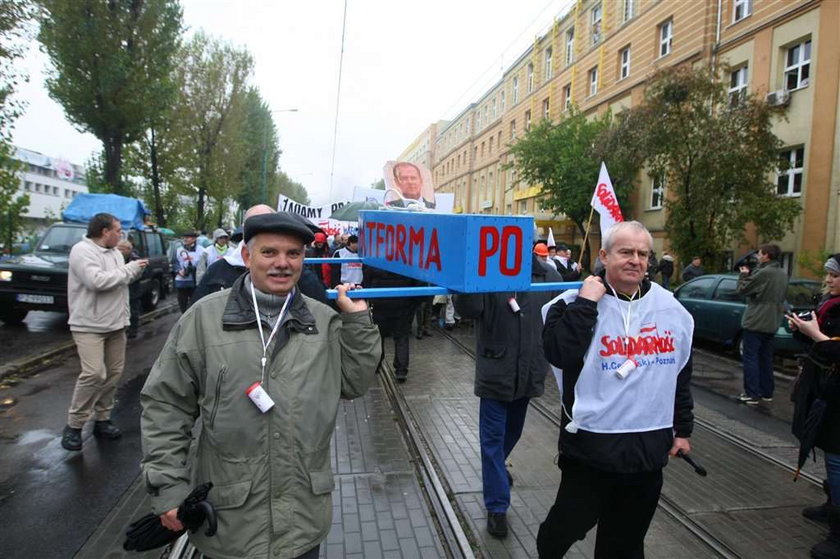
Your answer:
<point x="717" y="307"/>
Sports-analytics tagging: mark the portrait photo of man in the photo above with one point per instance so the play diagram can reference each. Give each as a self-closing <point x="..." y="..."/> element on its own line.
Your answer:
<point x="408" y="184"/>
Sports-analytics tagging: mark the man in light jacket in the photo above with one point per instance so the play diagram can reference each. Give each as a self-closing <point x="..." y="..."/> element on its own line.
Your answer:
<point x="97" y="297"/>
<point x="262" y="368"/>
<point x="765" y="289"/>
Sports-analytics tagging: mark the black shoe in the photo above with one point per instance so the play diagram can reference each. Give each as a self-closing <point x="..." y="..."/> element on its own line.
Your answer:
<point x="106" y="430"/>
<point x="419" y="335"/>
<point x="401" y="375"/>
<point x="817" y="514"/>
<point x="71" y="439"/>
<point x="497" y="524"/>
<point x="427" y="334"/>
<point x="510" y="477"/>
<point x="131" y="334"/>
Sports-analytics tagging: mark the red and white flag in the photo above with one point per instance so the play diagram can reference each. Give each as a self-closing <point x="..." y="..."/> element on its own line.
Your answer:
<point x="605" y="201"/>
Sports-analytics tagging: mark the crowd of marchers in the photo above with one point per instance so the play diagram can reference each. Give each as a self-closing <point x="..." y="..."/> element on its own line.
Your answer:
<point x="244" y="395"/>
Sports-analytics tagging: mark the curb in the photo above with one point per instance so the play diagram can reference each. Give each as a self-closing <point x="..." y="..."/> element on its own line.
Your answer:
<point x="47" y="357"/>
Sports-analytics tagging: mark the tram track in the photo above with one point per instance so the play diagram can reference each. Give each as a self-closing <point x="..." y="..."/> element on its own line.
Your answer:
<point x="666" y="504"/>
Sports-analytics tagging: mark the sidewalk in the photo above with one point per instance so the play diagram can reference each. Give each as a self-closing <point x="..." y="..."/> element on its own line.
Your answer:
<point x="378" y="507"/>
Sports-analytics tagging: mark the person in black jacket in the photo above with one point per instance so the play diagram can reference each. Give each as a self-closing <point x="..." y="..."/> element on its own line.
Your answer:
<point x="819" y="381"/>
<point x="510" y="369"/>
<point x="393" y="315"/>
<point x="622" y="347"/>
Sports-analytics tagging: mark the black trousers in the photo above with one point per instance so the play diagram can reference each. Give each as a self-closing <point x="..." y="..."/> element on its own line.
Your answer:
<point x="621" y="504"/>
<point x="184" y="296"/>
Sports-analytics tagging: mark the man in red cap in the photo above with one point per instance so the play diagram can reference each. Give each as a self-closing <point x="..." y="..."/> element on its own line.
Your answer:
<point x="318" y="249"/>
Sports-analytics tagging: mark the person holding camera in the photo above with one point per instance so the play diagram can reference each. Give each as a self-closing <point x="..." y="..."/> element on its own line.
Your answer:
<point x="818" y="387"/>
<point x="765" y="289"/>
<point x="183" y="265"/>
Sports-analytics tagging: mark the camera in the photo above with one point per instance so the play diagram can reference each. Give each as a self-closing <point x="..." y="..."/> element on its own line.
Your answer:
<point x="804" y="315"/>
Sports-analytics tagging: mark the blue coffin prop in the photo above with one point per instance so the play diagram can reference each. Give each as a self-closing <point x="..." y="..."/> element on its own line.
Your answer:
<point x="464" y="253"/>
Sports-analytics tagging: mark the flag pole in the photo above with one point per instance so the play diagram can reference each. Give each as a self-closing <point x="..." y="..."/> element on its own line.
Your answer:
<point x="586" y="233"/>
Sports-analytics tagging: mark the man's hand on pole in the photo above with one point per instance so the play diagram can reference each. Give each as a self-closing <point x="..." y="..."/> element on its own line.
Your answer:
<point x="345" y="303"/>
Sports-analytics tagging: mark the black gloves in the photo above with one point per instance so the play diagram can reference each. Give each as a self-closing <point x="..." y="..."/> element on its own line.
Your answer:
<point x="148" y="533"/>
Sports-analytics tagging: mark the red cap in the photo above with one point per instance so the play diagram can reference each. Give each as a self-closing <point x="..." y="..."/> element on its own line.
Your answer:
<point x="320" y="238"/>
<point x="540" y="249"/>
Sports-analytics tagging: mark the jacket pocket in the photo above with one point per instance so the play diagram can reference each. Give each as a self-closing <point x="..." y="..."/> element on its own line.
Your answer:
<point x="323" y="482"/>
<point x="220" y="380"/>
<point x="230" y="496"/>
<point x="493" y="351"/>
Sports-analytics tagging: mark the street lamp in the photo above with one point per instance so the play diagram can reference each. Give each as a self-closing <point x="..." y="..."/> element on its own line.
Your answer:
<point x="264" y="182"/>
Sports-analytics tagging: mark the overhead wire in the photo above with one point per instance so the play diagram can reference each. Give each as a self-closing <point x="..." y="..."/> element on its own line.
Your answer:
<point x="338" y="97"/>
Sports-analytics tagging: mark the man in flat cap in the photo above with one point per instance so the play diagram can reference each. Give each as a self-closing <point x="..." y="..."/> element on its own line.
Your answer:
<point x="262" y="367"/>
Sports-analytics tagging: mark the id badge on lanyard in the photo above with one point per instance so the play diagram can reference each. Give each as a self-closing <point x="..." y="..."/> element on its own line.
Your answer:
<point x="630" y="364"/>
<point x="256" y="393"/>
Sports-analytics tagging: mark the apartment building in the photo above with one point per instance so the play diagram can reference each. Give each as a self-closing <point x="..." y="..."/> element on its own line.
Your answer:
<point x="422" y="149"/>
<point x="51" y="184"/>
<point x="598" y="56"/>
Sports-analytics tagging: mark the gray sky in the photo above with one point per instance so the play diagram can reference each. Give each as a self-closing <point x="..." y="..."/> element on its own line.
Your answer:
<point x="406" y="65"/>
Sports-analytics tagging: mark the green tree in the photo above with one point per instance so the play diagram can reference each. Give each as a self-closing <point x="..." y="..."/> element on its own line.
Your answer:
<point x="262" y="153"/>
<point x="16" y="17"/>
<point x="716" y="157"/>
<point x="111" y="68"/>
<point x="208" y="116"/>
<point x="565" y="159"/>
<point x="286" y="186"/>
<point x="378" y="184"/>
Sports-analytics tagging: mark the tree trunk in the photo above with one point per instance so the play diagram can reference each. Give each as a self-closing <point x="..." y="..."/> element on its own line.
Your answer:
<point x="159" y="215"/>
<point x="113" y="144"/>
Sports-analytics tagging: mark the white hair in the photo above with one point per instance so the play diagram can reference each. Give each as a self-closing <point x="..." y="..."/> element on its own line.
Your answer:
<point x="607" y="240"/>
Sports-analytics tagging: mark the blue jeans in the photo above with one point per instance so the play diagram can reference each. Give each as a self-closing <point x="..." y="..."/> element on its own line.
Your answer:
<point x="500" y="426"/>
<point x="758" y="364"/>
<point x="832" y="468"/>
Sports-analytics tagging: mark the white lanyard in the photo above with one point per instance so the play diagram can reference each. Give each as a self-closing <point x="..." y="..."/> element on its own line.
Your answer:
<point x="265" y="343"/>
<point x="625" y="319"/>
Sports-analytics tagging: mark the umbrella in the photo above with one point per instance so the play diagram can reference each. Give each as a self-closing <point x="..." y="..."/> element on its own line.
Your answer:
<point x="147" y="532"/>
<point x="350" y="212"/>
<point x="808" y="431"/>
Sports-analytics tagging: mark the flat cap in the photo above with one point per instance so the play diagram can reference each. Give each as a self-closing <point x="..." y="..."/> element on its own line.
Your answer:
<point x="280" y="222"/>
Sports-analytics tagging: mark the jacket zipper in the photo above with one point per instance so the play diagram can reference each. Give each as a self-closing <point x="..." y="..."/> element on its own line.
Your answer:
<point x="219" y="383"/>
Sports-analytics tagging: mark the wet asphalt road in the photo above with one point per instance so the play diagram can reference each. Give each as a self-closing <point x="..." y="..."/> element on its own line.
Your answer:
<point x="51" y="500"/>
<point x="40" y="329"/>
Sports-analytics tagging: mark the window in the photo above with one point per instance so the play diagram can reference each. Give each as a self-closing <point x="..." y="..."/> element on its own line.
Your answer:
<point x="737" y="86"/>
<point x="490" y="146"/>
<point x="478" y="119"/>
<point x="547" y="64"/>
<point x="527" y="121"/>
<point x="55" y="191"/>
<point x="593" y="81"/>
<point x="27" y="186"/>
<point x="502" y="101"/>
<point x="523" y="206"/>
<point x="37" y="187"/>
<point x="567" y="97"/>
<point x="512" y="130"/>
<point x="727" y="290"/>
<point x="657" y="193"/>
<point x="798" y="66"/>
<point x="486" y="115"/>
<point x="596" y="25"/>
<point x="545" y="108"/>
<point x="515" y="91"/>
<point x="570" y="46"/>
<point x="629" y="10"/>
<point x="495" y="111"/>
<point x="697" y="289"/>
<point x="530" y="78"/>
<point x="791" y="163"/>
<point x="666" y="37"/>
<point x="624" y="63"/>
<point x="741" y="9"/>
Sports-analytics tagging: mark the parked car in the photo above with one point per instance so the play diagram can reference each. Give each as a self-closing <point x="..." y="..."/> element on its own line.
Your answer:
<point x="38" y="280"/>
<point x="717" y="307"/>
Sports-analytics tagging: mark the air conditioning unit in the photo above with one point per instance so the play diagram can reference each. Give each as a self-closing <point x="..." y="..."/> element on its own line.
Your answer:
<point x="780" y="98"/>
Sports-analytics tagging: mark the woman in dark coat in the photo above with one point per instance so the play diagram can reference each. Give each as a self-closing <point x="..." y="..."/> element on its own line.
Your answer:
<point x="820" y="380"/>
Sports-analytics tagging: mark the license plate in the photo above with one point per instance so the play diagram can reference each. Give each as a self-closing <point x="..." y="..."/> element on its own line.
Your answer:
<point x="36" y="299"/>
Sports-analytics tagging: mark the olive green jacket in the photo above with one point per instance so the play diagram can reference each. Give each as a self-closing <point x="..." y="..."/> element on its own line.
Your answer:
<point x="765" y="290"/>
<point x="271" y="471"/>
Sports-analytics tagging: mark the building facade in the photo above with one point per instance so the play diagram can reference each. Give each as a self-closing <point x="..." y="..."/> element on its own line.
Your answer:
<point x="599" y="55"/>
<point x="51" y="184"/>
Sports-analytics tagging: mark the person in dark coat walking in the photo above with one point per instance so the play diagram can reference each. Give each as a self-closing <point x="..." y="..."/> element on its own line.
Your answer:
<point x="393" y="315"/>
<point x="510" y="369"/>
<point x="693" y="270"/>
<point x="666" y="268"/>
<point x="819" y="381"/>
<point x="135" y="294"/>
